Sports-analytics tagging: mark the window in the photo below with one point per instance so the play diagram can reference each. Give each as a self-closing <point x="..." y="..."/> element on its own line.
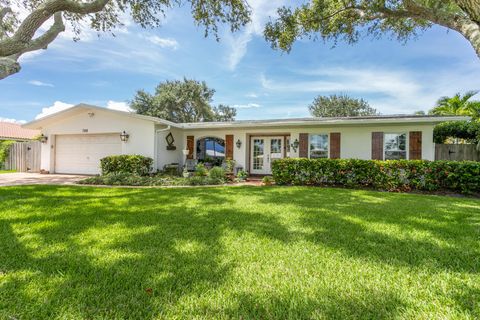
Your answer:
<point x="211" y="150"/>
<point x="318" y="146"/>
<point x="395" y="147"/>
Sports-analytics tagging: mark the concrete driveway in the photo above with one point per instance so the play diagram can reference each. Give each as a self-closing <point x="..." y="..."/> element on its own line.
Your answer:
<point x="23" y="178"/>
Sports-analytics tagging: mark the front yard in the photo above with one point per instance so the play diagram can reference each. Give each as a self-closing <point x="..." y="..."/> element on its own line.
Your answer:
<point x="236" y="252"/>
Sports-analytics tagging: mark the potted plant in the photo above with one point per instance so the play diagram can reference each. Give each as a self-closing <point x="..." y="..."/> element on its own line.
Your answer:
<point x="229" y="166"/>
<point x="267" y="181"/>
<point x="242" y="176"/>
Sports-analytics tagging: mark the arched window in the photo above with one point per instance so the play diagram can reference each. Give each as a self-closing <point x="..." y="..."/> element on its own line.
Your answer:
<point x="211" y="150"/>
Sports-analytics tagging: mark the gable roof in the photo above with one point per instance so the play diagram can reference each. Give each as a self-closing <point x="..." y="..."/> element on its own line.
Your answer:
<point x="311" y="121"/>
<point x="39" y="123"/>
<point x="14" y="131"/>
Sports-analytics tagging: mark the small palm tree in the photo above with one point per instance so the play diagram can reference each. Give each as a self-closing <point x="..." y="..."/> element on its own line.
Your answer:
<point x="458" y="105"/>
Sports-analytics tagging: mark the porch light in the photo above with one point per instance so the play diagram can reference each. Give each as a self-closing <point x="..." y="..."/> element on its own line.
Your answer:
<point x="294" y="145"/>
<point x="124" y="136"/>
<point x="43" y="138"/>
<point x="239" y="143"/>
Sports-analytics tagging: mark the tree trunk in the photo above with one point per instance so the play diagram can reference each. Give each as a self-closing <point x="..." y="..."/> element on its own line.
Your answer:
<point x="471" y="31"/>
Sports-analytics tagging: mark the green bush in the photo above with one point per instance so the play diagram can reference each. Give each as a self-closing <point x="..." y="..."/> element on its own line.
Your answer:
<point x="395" y="175"/>
<point x="4" y="151"/>
<point x="130" y="164"/>
<point x="127" y="179"/>
<point x="217" y="174"/>
<point x="467" y="130"/>
<point x="200" y="170"/>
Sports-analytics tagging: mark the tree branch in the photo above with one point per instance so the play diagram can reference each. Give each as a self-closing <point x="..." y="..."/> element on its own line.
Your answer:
<point x="22" y="37"/>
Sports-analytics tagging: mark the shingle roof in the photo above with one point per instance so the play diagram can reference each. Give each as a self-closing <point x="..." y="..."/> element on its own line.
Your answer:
<point x="14" y="131"/>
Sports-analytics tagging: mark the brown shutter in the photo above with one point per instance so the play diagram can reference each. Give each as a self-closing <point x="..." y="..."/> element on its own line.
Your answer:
<point x="229" y="146"/>
<point x="335" y="145"/>
<point x="190" y="146"/>
<point x="377" y="145"/>
<point x="415" y="145"/>
<point x="303" y="145"/>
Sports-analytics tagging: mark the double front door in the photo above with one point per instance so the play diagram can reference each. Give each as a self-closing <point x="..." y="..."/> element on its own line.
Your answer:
<point x="263" y="151"/>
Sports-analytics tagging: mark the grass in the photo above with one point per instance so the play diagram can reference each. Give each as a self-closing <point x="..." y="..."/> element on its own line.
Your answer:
<point x="237" y="252"/>
<point x="7" y="171"/>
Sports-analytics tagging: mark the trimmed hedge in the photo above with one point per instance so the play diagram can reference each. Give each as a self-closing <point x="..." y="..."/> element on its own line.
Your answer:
<point x="127" y="179"/>
<point x="394" y="175"/>
<point x="468" y="130"/>
<point x="133" y="164"/>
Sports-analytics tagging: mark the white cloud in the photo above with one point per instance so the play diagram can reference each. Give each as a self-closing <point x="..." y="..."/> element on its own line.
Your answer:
<point x="119" y="106"/>
<point x="262" y="10"/>
<point x="388" y="90"/>
<point x="164" y="42"/>
<point x="246" y="106"/>
<point x="251" y="95"/>
<point x="40" y="83"/>
<point x="12" y="120"/>
<point x="56" y="107"/>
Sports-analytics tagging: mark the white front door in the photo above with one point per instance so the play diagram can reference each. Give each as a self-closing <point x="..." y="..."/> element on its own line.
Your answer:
<point x="263" y="151"/>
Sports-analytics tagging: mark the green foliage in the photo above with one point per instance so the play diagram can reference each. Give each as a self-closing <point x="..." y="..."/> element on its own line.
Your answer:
<point x="460" y="105"/>
<point x="182" y="101"/>
<point x="230" y="165"/>
<point x="217" y="174"/>
<point x="242" y="175"/>
<point x="128" y="179"/>
<point x="340" y="106"/>
<point x="129" y="164"/>
<point x="396" y="175"/>
<point x="4" y="151"/>
<point x="467" y="130"/>
<point x="267" y="180"/>
<point x="200" y="170"/>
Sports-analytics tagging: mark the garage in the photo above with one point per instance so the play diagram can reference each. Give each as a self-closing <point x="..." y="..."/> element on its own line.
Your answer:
<point x="81" y="154"/>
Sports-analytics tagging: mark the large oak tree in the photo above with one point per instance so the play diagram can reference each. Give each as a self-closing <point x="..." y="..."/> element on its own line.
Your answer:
<point x="20" y="34"/>
<point x="347" y="20"/>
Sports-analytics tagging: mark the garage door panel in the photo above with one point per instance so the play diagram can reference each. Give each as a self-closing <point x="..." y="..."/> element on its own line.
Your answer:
<point x="82" y="153"/>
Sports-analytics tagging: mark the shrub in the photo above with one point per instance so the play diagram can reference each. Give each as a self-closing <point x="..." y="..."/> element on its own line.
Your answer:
<point x="267" y="180"/>
<point x="242" y="175"/>
<point x="200" y="170"/>
<point x="395" y="175"/>
<point x="217" y="174"/>
<point x="4" y="151"/>
<point x="467" y="130"/>
<point x="127" y="179"/>
<point x="132" y="164"/>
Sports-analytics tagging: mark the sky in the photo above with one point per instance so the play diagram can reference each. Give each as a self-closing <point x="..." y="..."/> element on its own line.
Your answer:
<point x="245" y="71"/>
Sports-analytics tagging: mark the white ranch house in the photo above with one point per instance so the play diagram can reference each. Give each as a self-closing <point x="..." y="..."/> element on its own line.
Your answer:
<point x="76" y="139"/>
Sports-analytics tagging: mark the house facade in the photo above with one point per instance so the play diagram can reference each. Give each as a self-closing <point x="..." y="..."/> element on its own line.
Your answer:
<point x="77" y="138"/>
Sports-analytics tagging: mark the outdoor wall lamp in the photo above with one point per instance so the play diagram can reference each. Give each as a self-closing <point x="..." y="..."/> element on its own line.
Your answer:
<point x="294" y="145"/>
<point x="43" y="138"/>
<point x="124" y="136"/>
<point x="239" y="144"/>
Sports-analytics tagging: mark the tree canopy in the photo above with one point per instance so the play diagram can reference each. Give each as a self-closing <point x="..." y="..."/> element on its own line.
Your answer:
<point x="459" y="104"/>
<point x="182" y="101"/>
<point x="340" y="106"/>
<point x="348" y="20"/>
<point x="21" y="33"/>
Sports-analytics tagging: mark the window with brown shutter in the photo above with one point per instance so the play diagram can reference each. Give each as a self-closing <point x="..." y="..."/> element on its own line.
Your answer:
<point x="415" y="145"/>
<point x="377" y="145"/>
<point x="190" y="146"/>
<point x="229" y="146"/>
<point x="335" y="145"/>
<point x="303" y="145"/>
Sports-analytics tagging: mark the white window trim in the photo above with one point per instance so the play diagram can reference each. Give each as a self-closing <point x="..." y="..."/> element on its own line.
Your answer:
<point x="328" y="142"/>
<point x="407" y="144"/>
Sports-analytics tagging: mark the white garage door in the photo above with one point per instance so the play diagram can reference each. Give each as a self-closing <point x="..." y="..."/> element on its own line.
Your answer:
<point x="82" y="153"/>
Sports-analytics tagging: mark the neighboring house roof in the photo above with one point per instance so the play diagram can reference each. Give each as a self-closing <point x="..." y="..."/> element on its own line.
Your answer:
<point x="15" y="131"/>
<point x="368" y="120"/>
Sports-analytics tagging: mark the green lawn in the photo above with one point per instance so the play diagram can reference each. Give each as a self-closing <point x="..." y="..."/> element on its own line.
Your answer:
<point x="236" y="252"/>
<point x="7" y="171"/>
